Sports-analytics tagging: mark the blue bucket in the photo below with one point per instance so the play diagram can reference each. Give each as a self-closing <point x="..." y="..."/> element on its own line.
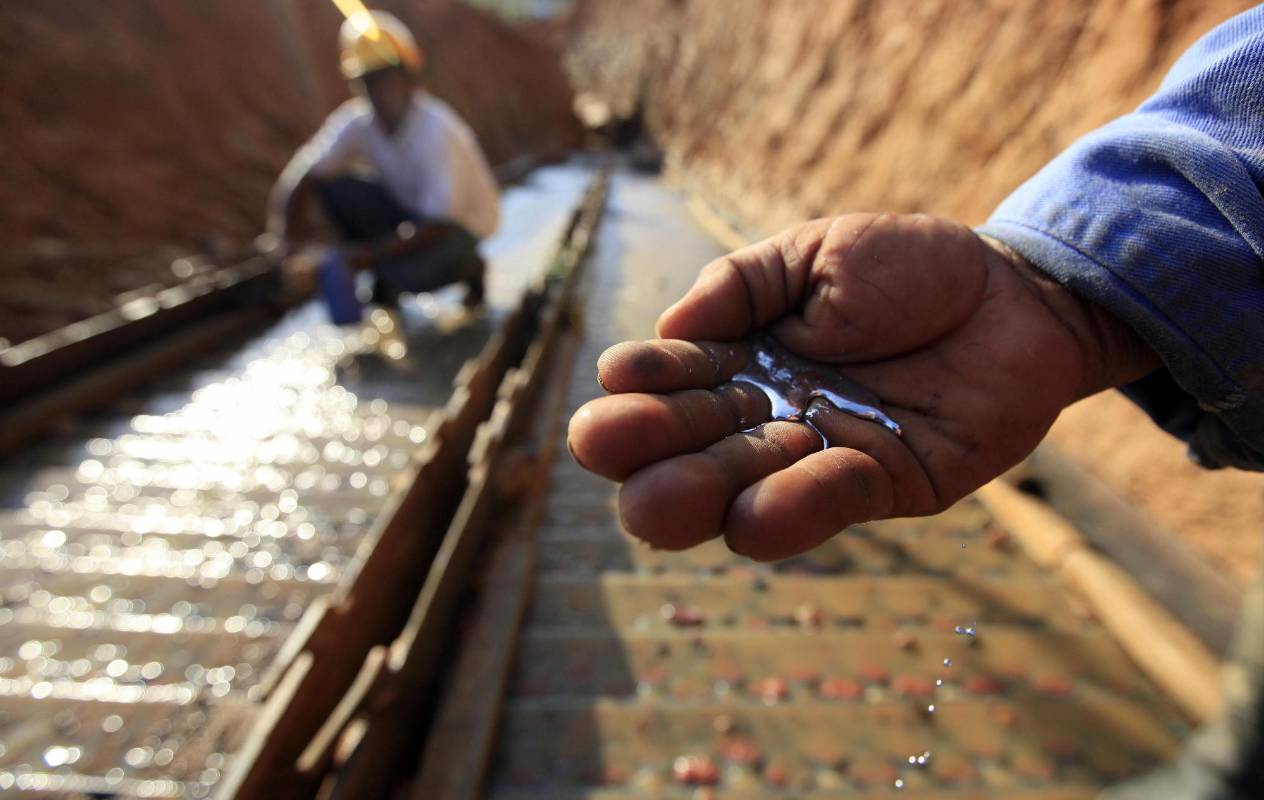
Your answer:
<point x="338" y="284"/>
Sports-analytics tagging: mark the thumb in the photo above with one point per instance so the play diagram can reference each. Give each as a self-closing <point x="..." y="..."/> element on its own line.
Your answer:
<point x="885" y="285"/>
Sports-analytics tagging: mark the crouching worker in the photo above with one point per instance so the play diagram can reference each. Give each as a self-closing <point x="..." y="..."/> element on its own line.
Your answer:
<point x="397" y="173"/>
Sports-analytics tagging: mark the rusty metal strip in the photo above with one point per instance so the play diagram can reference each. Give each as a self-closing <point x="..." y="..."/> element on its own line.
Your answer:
<point x="461" y="739"/>
<point x="316" y="758"/>
<point x="36" y="364"/>
<point x="273" y="718"/>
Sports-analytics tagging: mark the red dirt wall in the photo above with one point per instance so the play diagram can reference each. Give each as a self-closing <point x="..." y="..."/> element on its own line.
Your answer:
<point x="134" y="129"/>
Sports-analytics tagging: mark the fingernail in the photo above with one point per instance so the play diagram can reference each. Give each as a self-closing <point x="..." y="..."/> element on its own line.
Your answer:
<point x="575" y="456"/>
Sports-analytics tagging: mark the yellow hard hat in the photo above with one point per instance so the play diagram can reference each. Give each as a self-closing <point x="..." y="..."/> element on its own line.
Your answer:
<point x="374" y="41"/>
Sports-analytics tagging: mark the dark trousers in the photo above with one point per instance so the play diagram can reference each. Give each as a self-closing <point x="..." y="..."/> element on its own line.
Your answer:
<point x="363" y="211"/>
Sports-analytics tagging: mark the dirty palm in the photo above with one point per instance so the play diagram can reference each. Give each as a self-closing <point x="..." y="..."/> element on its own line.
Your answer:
<point x="913" y="361"/>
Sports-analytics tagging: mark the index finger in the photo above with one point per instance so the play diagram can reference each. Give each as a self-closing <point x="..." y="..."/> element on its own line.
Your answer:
<point x="659" y="366"/>
<point x="748" y="288"/>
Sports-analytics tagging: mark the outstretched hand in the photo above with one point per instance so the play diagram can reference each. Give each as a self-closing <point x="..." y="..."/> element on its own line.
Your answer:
<point x="972" y="351"/>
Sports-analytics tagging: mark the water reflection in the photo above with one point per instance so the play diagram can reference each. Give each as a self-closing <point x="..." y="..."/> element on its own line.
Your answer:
<point x="158" y="575"/>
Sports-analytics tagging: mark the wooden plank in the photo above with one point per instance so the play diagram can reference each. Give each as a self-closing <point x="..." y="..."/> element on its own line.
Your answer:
<point x="318" y="754"/>
<point x="295" y="644"/>
<point x="274" y="729"/>
<point x="461" y="740"/>
<point x="415" y="653"/>
<point x="412" y="658"/>
<point x="1045" y="536"/>
<point x="464" y="731"/>
<point x="1164" y="648"/>
<point x="1172" y="656"/>
<point x="1190" y="588"/>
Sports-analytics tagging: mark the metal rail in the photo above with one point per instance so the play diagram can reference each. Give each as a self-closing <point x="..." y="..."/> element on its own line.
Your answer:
<point x="94" y="361"/>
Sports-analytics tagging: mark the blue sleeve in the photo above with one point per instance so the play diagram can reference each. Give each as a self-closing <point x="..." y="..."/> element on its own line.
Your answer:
<point x="1158" y="218"/>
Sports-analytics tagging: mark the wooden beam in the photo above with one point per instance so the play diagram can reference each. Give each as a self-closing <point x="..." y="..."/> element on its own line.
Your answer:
<point x="1172" y="656"/>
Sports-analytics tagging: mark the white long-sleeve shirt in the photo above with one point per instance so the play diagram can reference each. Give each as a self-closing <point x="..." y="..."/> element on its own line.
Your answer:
<point x="431" y="164"/>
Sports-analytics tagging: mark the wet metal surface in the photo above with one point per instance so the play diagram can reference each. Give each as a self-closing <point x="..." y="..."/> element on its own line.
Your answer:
<point x="155" y="557"/>
<point x="157" y="561"/>
<point x="650" y="674"/>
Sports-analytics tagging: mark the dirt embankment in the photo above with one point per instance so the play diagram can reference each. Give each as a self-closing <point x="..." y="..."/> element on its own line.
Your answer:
<point x="779" y="111"/>
<point x="136" y="129"/>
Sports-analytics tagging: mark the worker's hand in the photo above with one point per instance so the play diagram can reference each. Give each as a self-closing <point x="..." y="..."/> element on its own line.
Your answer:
<point x="971" y="350"/>
<point x="276" y="246"/>
<point x="301" y="271"/>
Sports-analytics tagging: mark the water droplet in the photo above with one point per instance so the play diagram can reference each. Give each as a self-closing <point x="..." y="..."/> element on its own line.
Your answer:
<point x="947" y="662"/>
<point x="57" y="756"/>
<point x="939" y="681"/>
<point x="963" y="545"/>
<point x="899" y="783"/>
<point x="965" y="630"/>
<point x="931" y="708"/>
